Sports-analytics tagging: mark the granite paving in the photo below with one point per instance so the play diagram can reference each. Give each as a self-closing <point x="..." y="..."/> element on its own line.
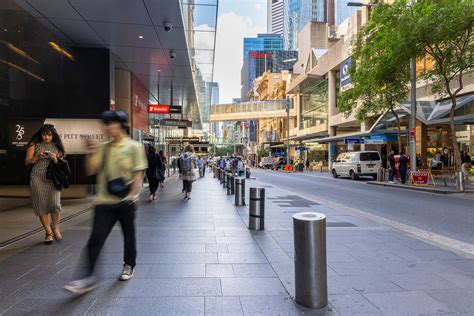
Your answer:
<point x="198" y="257"/>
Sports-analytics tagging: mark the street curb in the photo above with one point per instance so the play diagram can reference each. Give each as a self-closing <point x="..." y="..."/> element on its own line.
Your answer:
<point x="405" y="187"/>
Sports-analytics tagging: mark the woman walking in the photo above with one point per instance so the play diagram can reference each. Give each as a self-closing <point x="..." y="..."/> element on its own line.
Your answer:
<point x="154" y="173"/>
<point x="188" y="165"/>
<point x="45" y="146"/>
<point x="161" y="181"/>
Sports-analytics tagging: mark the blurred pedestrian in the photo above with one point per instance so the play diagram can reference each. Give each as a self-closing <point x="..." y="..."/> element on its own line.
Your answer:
<point x="391" y="163"/>
<point x="201" y="166"/>
<point x="119" y="165"/>
<point x="188" y="165"/>
<point x="45" y="147"/>
<point x="154" y="173"/>
<point x="403" y="167"/>
<point x="164" y="161"/>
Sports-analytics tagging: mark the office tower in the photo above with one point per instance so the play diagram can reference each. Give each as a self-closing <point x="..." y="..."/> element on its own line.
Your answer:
<point x="275" y="16"/>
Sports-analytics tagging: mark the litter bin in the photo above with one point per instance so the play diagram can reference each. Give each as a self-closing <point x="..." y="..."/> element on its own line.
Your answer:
<point x="257" y="209"/>
<point x="239" y="191"/>
<point x="309" y="231"/>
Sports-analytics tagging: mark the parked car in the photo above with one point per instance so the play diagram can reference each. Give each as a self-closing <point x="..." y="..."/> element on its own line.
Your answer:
<point x="266" y="162"/>
<point x="356" y="164"/>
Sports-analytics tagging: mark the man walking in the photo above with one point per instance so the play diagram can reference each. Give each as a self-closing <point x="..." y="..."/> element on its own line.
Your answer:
<point x="119" y="165"/>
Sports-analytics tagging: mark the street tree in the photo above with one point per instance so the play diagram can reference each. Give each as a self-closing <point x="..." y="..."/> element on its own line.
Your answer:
<point x="380" y="66"/>
<point x="443" y="32"/>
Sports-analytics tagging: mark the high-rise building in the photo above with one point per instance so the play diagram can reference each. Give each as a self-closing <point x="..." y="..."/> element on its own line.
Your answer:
<point x="214" y="93"/>
<point x="275" y="16"/>
<point x="297" y="13"/>
<point x="262" y="42"/>
<point x="261" y="61"/>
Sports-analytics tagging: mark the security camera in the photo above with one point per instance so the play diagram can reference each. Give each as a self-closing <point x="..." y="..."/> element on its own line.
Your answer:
<point x="167" y="26"/>
<point x="172" y="54"/>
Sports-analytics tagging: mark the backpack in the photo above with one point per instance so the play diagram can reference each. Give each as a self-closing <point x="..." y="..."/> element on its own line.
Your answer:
<point x="186" y="163"/>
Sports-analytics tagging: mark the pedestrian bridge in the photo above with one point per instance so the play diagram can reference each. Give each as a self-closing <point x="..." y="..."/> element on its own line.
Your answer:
<point x="250" y="110"/>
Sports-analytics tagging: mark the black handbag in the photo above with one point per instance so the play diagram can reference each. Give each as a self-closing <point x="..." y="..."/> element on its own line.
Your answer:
<point x="117" y="187"/>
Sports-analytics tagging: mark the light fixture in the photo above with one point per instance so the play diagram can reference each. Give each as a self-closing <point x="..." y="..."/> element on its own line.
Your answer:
<point x="159" y="70"/>
<point x="140" y="36"/>
<point x="5" y="29"/>
<point x="61" y="50"/>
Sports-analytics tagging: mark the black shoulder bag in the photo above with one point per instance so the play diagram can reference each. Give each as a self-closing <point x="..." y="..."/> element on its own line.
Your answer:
<point x="117" y="187"/>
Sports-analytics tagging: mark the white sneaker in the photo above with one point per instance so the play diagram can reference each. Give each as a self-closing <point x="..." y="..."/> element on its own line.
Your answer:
<point x="390" y="182"/>
<point x="127" y="273"/>
<point x="81" y="286"/>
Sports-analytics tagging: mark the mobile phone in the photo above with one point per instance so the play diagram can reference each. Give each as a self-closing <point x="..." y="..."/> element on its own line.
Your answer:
<point x="47" y="152"/>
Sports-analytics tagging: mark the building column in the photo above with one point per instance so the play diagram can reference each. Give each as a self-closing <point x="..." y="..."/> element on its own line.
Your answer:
<point x="332" y="146"/>
<point x="422" y="142"/>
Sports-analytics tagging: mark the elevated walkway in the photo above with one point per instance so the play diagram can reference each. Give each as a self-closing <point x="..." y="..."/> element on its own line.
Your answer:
<point x="250" y="110"/>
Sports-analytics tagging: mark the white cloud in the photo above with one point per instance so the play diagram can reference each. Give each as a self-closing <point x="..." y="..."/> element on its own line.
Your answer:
<point x="258" y="6"/>
<point x="231" y="29"/>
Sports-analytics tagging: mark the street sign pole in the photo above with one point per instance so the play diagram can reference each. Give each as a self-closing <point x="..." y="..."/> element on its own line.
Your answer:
<point x="413" y="117"/>
<point x="288" y="130"/>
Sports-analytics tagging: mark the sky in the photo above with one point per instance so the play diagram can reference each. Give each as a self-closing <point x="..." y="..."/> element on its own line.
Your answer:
<point x="237" y="19"/>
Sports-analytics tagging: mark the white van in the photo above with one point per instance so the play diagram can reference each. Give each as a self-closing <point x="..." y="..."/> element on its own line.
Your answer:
<point x="358" y="163"/>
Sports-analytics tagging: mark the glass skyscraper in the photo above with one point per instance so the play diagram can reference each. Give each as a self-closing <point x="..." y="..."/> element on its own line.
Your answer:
<point x="299" y="12"/>
<point x="262" y="42"/>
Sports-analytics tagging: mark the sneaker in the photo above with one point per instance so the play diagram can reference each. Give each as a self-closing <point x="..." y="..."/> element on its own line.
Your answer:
<point x="127" y="273"/>
<point x="81" y="286"/>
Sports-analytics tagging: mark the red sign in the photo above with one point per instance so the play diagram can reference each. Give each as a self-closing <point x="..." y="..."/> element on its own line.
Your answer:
<point x="139" y="105"/>
<point x="259" y="55"/>
<point x="412" y="132"/>
<point x="420" y="177"/>
<point x="158" y="109"/>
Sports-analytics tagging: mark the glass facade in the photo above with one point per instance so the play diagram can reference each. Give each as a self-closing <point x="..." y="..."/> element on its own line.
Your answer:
<point x="261" y="61"/>
<point x="314" y="104"/>
<point x="299" y="12"/>
<point x="262" y="42"/>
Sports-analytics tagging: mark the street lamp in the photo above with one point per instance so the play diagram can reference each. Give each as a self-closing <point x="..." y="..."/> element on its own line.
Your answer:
<point x="412" y="122"/>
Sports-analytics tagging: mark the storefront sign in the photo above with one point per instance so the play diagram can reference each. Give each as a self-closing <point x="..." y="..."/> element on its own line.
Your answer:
<point x="259" y="55"/>
<point x="177" y="123"/>
<point x="420" y="177"/>
<point x="373" y="141"/>
<point x="345" y="75"/>
<point x="412" y="132"/>
<point x="353" y="141"/>
<point x="182" y="139"/>
<point x="21" y="131"/>
<point x="74" y="133"/>
<point x="159" y="109"/>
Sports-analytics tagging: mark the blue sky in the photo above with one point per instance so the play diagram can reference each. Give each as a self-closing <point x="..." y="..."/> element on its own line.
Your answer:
<point x="237" y="19"/>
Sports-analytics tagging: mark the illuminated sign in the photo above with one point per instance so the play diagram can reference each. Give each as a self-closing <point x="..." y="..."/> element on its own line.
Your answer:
<point x="165" y="109"/>
<point x="259" y="55"/>
<point x="159" y="109"/>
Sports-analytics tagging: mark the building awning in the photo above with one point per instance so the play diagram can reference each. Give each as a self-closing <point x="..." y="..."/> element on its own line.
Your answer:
<point x="295" y="84"/>
<point x="337" y="138"/>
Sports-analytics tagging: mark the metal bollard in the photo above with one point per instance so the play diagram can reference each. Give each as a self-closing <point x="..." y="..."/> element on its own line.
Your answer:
<point x="309" y="231"/>
<point x="460" y="181"/>
<point x="257" y="209"/>
<point x="380" y="174"/>
<point x="232" y="185"/>
<point x="224" y="183"/>
<point x="221" y="176"/>
<point x="228" y="183"/>
<point x="239" y="191"/>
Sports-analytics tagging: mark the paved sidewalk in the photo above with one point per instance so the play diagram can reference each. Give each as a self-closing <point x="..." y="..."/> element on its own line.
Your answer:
<point x="372" y="269"/>
<point x="194" y="258"/>
<point x="198" y="257"/>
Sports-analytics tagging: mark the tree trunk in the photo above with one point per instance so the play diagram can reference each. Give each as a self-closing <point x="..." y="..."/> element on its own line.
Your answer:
<point x="454" y="141"/>
<point x="399" y="138"/>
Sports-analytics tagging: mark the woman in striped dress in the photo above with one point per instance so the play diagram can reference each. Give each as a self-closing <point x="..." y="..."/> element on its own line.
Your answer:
<point x="45" y="146"/>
